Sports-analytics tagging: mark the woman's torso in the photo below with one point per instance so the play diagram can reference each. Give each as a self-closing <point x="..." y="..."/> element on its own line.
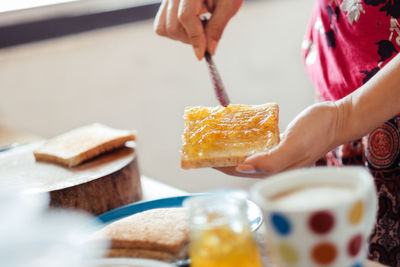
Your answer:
<point x="348" y="41"/>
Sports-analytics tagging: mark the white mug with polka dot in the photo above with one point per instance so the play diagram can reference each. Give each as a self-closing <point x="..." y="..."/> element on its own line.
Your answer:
<point x="318" y="216"/>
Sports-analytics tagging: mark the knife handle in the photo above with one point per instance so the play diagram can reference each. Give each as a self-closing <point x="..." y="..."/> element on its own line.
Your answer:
<point x="204" y="19"/>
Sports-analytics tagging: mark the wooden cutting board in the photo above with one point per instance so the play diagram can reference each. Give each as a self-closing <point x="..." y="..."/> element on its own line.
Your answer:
<point x="104" y="183"/>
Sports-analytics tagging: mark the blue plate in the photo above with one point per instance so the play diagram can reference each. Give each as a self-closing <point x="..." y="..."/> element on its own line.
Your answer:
<point x="254" y="213"/>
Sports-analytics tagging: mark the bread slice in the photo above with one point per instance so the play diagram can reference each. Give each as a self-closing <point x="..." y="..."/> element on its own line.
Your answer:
<point x="81" y="144"/>
<point x="225" y="136"/>
<point x="160" y="234"/>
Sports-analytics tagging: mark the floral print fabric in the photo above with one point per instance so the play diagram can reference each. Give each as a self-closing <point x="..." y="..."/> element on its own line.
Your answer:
<point x="349" y="41"/>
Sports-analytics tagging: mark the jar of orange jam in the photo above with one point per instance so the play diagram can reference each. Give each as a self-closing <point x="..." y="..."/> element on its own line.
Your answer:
<point x="220" y="233"/>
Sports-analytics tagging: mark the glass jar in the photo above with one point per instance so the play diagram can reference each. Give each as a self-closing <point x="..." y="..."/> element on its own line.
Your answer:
<point x="220" y="233"/>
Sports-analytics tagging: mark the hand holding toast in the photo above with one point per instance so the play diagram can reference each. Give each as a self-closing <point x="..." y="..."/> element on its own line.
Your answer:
<point x="307" y="138"/>
<point x="179" y="20"/>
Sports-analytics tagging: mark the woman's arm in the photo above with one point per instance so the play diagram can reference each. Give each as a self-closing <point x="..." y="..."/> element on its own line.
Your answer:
<point x="321" y="127"/>
<point x="372" y="104"/>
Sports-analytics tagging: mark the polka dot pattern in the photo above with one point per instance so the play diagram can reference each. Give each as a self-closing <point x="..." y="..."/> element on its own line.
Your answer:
<point x="356" y="212"/>
<point x="324" y="248"/>
<point x="288" y="253"/>
<point x="354" y="245"/>
<point x="324" y="253"/>
<point x="281" y="224"/>
<point x="321" y="222"/>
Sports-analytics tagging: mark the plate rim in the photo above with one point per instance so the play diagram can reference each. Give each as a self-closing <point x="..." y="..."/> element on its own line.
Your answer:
<point x="167" y="202"/>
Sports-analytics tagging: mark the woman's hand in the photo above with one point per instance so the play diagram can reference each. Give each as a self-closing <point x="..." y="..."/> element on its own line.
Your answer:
<point x="179" y="20"/>
<point x="308" y="137"/>
<point x="322" y="127"/>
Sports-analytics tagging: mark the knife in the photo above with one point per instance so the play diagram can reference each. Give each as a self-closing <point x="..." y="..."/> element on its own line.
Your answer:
<point x="219" y="87"/>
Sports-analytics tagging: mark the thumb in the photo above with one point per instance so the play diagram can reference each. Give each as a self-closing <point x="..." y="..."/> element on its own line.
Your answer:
<point x="215" y="27"/>
<point x="276" y="160"/>
<point x="224" y="10"/>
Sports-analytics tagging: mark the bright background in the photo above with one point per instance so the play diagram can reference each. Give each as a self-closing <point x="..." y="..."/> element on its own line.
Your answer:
<point x="128" y="77"/>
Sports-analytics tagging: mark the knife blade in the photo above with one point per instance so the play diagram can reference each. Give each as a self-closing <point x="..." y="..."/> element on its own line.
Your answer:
<point x="219" y="87"/>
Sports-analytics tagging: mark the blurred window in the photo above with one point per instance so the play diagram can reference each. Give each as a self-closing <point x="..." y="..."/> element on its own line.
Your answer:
<point x="12" y="5"/>
<point x="16" y="5"/>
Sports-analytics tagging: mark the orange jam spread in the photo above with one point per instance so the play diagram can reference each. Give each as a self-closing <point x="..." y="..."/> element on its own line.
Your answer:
<point x="235" y="127"/>
<point x="223" y="246"/>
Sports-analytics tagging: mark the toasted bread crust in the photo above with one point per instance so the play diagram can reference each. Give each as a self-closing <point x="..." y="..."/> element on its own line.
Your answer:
<point x="158" y="233"/>
<point x="83" y="144"/>
<point x="142" y="253"/>
<point x="86" y="155"/>
<point x="223" y="161"/>
<point x="231" y="157"/>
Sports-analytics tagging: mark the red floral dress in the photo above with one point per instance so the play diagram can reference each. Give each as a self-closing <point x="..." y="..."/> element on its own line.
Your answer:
<point x="348" y="42"/>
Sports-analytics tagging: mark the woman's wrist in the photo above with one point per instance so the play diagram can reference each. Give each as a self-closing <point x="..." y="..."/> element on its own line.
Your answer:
<point x="370" y="105"/>
<point x="346" y="126"/>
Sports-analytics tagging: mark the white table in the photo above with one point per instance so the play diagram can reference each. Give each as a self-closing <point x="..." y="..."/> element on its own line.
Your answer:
<point x="153" y="189"/>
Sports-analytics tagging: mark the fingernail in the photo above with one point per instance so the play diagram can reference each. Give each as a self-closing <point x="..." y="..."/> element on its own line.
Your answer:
<point x="213" y="47"/>
<point x="199" y="53"/>
<point x="245" y="168"/>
